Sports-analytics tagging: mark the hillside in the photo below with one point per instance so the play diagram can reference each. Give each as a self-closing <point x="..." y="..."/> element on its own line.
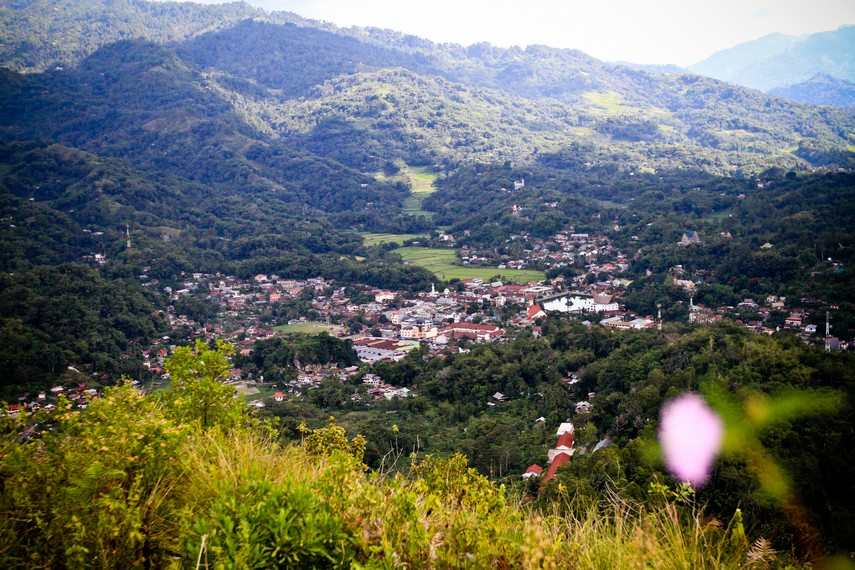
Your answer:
<point x="41" y="34"/>
<point x="778" y="60"/>
<point x="821" y="89"/>
<point x="189" y="477"/>
<point x="279" y="70"/>
<point x="275" y="293"/>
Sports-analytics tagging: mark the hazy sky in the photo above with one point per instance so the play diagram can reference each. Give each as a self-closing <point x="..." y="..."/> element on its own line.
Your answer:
<point x="642" y="31"/>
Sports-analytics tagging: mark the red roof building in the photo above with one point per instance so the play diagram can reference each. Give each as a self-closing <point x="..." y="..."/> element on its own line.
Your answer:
<point x="558" y="461"/>
<point x="562" y="452"/>
<point x="534" y="470"/>
<point x="535" y="312"/>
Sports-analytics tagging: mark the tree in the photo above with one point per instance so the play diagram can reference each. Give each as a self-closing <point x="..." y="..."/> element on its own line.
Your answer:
<point x="198" y="392"/>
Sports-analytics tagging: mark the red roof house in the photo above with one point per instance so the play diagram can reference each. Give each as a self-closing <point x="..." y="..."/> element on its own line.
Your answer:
<point x="558" y="461"/>
<point x="535" y="312"/>
<point x="534" y="470"/>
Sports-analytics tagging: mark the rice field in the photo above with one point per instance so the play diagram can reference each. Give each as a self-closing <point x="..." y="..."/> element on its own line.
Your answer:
<point x="444" y="264"/>
<point x="370" y="239"/>
<point x="308" y="327"/>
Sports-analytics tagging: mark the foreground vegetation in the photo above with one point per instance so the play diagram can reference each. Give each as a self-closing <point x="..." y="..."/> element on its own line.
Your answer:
<point x="187" y="478"/>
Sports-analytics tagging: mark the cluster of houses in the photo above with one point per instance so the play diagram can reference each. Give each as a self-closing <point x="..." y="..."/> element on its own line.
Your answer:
<point x="379" y="390"/>
<point x="78" y="397"/>
<point x="564" y="248"/>
<point x="556" y="457"/>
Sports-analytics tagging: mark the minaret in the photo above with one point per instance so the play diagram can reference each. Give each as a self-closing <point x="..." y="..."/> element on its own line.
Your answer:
<point x="128" y="235"/>
<point x="659" y="315"/>
<point x="827" y="333"/>
<point x="433" y="288"/>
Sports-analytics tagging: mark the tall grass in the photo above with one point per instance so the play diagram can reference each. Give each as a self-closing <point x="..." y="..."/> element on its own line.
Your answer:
<point x="101" y="491"/>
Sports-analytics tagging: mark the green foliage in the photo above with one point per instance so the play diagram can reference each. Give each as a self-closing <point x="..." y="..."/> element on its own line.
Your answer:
<point x="129" y="483"/>
<point x="198" y="393"/>
<point x="69" y="315"/>
<point x="332" y="439"/>
<point x="94" y="491"/>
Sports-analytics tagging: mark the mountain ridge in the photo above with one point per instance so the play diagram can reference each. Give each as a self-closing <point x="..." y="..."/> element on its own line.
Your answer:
<point x="777" y="60"/>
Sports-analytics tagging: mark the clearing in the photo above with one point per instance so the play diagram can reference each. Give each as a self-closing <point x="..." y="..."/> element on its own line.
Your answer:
<point x="421" y="182"/>
<point x="443" y="263"/>
<point x="370" y="239"/>
<point x="307" y="327"/>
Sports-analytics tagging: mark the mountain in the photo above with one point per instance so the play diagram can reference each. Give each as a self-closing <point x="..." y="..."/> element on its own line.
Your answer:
<point x="660" y="68"/>
<point x="778" y="60"/>
<point x="360" y="96"/>
<point x="821" y="89"/>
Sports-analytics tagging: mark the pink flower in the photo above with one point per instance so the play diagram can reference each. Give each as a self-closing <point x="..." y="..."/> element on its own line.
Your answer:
<point x="690" y="434"/>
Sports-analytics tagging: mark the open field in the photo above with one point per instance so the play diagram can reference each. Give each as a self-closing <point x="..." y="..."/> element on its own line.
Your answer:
<point x="308" y="327"/>
<point x="443" y="264"/>
<point x="370" y="239"/>
<point x="421" y="180"/>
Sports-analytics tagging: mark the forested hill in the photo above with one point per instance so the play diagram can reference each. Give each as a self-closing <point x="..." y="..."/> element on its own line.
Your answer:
<point x="261" y="65"/>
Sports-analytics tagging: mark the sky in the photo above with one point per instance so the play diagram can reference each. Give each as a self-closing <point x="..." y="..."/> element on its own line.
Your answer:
<point x="681" y="32"/>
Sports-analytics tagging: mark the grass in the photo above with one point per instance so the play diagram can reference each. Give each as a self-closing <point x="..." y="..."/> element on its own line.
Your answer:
<point x="370" y="239"/>
<point x="612" y="104"/>
<point x="158" y="487"/>
<point x="308" y="327"/>
<point x="608" y="102"/>
<point x="421" y="182"/>
<point x="443" y="263"/>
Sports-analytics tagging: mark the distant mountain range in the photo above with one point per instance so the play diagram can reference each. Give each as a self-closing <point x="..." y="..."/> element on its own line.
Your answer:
<point x="777" y="60"/>
<point x="821" y="89"/>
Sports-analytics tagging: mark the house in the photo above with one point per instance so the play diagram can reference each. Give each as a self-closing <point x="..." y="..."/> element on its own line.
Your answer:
<point x="534" y="470"/>
<point x="690" y="237"/>
<point x="562" y="452"/>
<point x="584" y="407"/>
<point x="564" y="444"/>
<point x="535" y="312"/>
<point x="794" y="320"/>
<point x="559" y="461"/>
<point x="474" y="331"/>
<point x="397" y="393"/>
<point x="278" y="396"/>
<point x="499" y="397"/>
<point x="371" y="380"/>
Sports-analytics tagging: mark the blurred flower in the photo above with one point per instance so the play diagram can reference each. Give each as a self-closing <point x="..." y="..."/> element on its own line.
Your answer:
<point x="690" y="434"/>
